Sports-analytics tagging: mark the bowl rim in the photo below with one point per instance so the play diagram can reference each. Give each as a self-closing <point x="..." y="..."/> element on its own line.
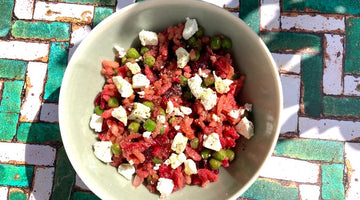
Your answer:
<point x="150" y="3"/>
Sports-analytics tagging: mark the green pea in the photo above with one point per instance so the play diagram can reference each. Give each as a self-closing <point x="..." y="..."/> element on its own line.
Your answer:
<point x="115" y="72"/>
<point x="230" y="154"/>
<point x="98" y="110"/>
<point x="200" y="32"/>
<point x="144" y="50"/>
<point x="132" y="53"/>
<point x="156" y="160"/>
<point x="172" y="119"/>
<point x="197" y="56"/>
<point x="194" y="143"/>
<point x="149" y="125"/>
<point x="134" y="127"/>
<point x="226" y="43"/>
<point x="113" y="102"/>
<point x="162" y="112"/>
<point x="192" y="41"/>
<point x="214" y="164"/>
<point x="215" y="43"/>
<point x="209" y="80"/>
<point x="149" y="104"/>
<point x="197" y="46"/>
<point x="123" y="60"/>
<point x="188" y="96"/>
<point x="183" y="81"/>
<point x="205" y="153"/>
<point x="115" y="148"/>
<point x="162" y="130"/>
<point x="149" y="60"/>
<point x="219" y="155"/>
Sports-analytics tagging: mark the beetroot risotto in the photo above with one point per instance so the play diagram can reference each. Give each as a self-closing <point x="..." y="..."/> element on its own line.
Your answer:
<point x="168" y="113"/>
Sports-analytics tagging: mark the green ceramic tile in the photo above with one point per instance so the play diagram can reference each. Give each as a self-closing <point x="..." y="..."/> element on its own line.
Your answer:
<point x="64" y="177"/>
<point x="250" y="14"/>
<point x="334" y="6"/>
<point x="12" y="69"/>
<point x="338" y="106"/>
<point x="332" y="181"/>
<point x="57" y="64"/>
<point x="280" y="41"/>
<point x="38" y="132"/>
<point x="78" y="195"/>
<point x="98" y="2"/>
<point x="5" y="17"/>
<point x="11" y="97"/>
<point x="270" y="189"/>
<point x="100" y="14"/>
<point x="290" y="5"/>
<point x="17" y="195"/>
<point x="41" y="30"/>
<point x="8" y="122"/>
<point x="309" y="149"/>
<point x="352" y="50"/>
<point x="17" y="176"/>
<point x="311" y="66"/>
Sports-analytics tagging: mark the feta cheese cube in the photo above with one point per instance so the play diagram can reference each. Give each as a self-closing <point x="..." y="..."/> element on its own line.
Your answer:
<point x="245" y="128"/>
<point x="140" y="81"/>
<point x="141" y="94"/>
<point x="234" y="113"/>
<point x="182" y="57"/>
<point x="123" y="86"/>
<point x="96" y="122"/>
<point x="160" y="119"/>
<point x="177" y="112"/>
<point x="127" y="170"/>
<point x="120" y="114"/>
<point x="248" y="107"/>
<point x="140" y="112"/>
<point x="102" y="150"/>
<point x="194" y="84"/>
<point x="121" y="51"/>
<point x="222" y="85"/>
<point x="165" y="186"/>
<point x="179" y="143"/>
<point x="169" y="107"/>
<point x="176" y="160"/>
<point x="208" y="98"/>
<point x="190" y="29"/>
<point x="215" y="118"/>
<point x="185" y="110"/>
<point x="177" y="127"/>
<point x="212" y="141"/>
<point x="133" y="67"/>
<point x="147" y="134"/>
<point x="190" y="167"/>
<point x="148" y="38"/>
<point x="156" y="167"/>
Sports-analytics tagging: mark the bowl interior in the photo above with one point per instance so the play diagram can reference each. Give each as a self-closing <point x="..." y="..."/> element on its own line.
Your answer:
<point x="82" y="82"/>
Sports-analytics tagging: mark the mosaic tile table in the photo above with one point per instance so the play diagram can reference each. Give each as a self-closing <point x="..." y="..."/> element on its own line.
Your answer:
<point x="316" y="44"/>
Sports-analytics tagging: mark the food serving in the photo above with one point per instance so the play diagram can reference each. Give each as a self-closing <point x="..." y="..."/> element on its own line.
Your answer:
<point x="168" y="114"/>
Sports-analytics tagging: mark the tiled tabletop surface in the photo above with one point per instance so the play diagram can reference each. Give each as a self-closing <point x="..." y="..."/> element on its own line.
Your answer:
<point x="316" y="44"/>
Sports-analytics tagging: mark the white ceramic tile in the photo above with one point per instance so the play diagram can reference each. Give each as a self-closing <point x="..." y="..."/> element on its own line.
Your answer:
<point x="43" y="181"/>
<point x="316" y="23"/>
<point x="4" y="193"/>
<point x="332" y="76"/>
<point x="328" y="129"/>
<point x="123" y="3"/>
<point x="309" y="192"/>
<point x="79" y="183"/>
<point x="77" y="36"/>
<point x="63" y="12"/>
<point x="290" y="169"/>
<point x="31" y="154"/>
<point x="49" y="112"/>
<point x="35" y="77"/>
<point x="222" y="3"/>
<point x="291" y="94"/>
<point x="351" y="85"/>
<point x="270" y="14"/>
<point x="287" y="62"/>
<point x="24" y="9"/>
<point x="29" y="50"/>
<point x="352" y="152"/>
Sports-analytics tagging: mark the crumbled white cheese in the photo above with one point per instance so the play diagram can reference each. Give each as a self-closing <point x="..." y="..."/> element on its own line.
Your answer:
<point x="148" y="38"/>
<point x="245" y="128"/>
<point x="182" y="57"/>
<point x="147" y="134"/>
<point x="222" y="85"/>
<point x="194" y="84"/>
<point x="165" y="186"/>
<point x="120" y="114"/>
<point x="141" y="94"/>
<point x="121" y="51"/>
<point x="248" y="107"/>
<point x="177" y="127"/>
<point x="190" y="29"/>
<point x="216" y="118"/>
<point x="208" y="98"/>
<point x="131" y="162"/>
<point x="177" y="112"/>
<point x="176" y="160"/>
<point x="160" y="119"/>
<point x="140" y="81"/>
<point x="190" y="167"/>
<point x="96" y="122"/>
<point x="234" y="113"/>
<point x="202" y="74"/>
<point x="156" y="167"/>
<point x="185" y="110"/>
<point x="140" y="58"/>
<point x="140" y="112"/>
<point x="133" y="67"/>
<point x="169" y="107"/>
<point x="179" y="143"/>
<point x="127" y="170"/>
<point x="123" y="86"/>
<point x="102" y="150"/>
<point x="212" y="141"/>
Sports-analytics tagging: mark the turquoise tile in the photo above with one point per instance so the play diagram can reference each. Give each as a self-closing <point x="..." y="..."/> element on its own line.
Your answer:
<point x="38" y="133"/>
<point x="12" y="69"/>
<point x="332" y="181"/>
<point x="100" y="14"/>
<point x="11" y="97"/>
<point x="352" y="47"/>
<point x="250" y="14"/>
<point x="5" y="17"/>
<point x="338" y="106"/>
<point x="291" y="5"/>
<point x="41" y="30"/>
<point x="56" y="67"/>
<point x="334" y="6"/>
<point x="17" y="176"/>
<point x="97" y="2"/>
<point x="8" y="123"/>
<point x="17" y="195"/>
<point x="79" y="195"/>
